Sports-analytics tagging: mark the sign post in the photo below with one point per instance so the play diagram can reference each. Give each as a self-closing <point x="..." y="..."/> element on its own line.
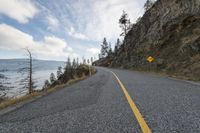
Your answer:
<point x="150" y="59"/>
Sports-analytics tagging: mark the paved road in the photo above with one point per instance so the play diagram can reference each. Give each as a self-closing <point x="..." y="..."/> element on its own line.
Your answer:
<point x="98" y="104"/>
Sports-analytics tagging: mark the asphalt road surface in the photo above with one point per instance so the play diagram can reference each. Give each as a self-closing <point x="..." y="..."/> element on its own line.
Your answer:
<point x="99" y="104"/>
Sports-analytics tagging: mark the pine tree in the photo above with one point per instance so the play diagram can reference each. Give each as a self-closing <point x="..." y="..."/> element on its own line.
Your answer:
<point x="109" y="49"/>
<point x="100" y="56"/>
<point x="88" y="61"/>
<point x="84" y="60"/>
<point x="77" y="61"/>
<point x="125" y="25"/>
<point x="148" y="4"/>
<point x="117" y="46"/>
<point x="46" y="84"/>
<point x="104" y="48"/>
<point x="68" y="69"/>
<point x="59" y="72"/>
<point x="91" y="60"/>
<point x="74" y="64"/>
<point x="74" y="67"/>
<point x="52" y="78"/>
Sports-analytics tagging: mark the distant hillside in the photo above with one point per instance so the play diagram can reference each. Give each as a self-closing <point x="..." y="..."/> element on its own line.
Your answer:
<point x="170" y="33"/>
<point x="15" y="64"/>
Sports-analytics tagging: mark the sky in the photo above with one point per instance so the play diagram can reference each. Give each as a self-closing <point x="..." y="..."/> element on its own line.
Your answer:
<point x="56" y="29"/>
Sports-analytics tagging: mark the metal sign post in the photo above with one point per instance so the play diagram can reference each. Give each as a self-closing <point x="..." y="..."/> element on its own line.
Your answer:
<point x="150" y="59"/>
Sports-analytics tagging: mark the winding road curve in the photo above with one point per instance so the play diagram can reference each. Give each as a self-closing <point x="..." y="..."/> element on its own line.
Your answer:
<point x="120" y="101"/>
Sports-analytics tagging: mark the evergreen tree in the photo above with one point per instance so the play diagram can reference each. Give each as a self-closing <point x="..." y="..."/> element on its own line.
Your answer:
<point x="138" y="19"/>
<point x="125" y="23"/>
<point x="109" y="49"/>
<point x="148" y="4"/>
<point x="88" y="61"/>
<point x="77" y="61"/>
<point x="84" y="60"/>
<point x="69" y="65"/>
<point x="126" y="26"/>
<point x="104" y="48"/>
<point x="74" y="67"/>
<point x="91" y="60"/>
<point x="74" y="64"/>
<point x="59" y="72"/>
<point x="117" y="46"/>
<point x="46" y="84"/>
<point x="52" y="78"/>
<point x="100" y="56"/>
<point x="68" y="69"/>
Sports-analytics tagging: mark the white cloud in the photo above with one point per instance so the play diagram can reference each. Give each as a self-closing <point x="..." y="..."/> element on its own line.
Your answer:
<point x="87" y="21"/>
<point x="98" y="19"/>
<point x="50" y="47"/>
<point x="77" y="35"/>
<point x="91" y="20"/>
<point x="93" y="51"/>
<point x="106" y="17"/>
<point x="20" y="10"/>
<point x="53" y="23"/>
<point x="11" y="38"/>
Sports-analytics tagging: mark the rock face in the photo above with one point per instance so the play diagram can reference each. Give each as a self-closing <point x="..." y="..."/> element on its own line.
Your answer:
<point x="169" y="32"/>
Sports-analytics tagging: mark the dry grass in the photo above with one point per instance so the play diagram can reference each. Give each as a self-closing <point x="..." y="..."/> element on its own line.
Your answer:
<point x="14" y="101"/>
<point x="34" y="95"/>
<point x="168" y="74"/>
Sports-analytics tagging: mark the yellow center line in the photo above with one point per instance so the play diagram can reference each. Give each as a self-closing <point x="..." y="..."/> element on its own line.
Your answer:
<point x="145" y="128"/>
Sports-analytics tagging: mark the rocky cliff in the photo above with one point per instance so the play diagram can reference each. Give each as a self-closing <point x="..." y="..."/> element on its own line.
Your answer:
<point x="170" y="33"/>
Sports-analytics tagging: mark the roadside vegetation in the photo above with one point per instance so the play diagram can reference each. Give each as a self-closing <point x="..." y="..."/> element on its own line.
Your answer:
<point x="71" y="73"/>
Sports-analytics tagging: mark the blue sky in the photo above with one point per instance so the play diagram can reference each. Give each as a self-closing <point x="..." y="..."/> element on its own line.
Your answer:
<point x="56" y="29"/>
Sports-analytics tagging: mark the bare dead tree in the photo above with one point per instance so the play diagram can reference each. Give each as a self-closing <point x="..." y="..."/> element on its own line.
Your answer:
<point x="28" y="82"/>
<point x="30" y="72"/>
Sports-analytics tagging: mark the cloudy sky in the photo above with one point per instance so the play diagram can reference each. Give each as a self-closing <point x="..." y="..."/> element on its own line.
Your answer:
<point x="56" y="29"/>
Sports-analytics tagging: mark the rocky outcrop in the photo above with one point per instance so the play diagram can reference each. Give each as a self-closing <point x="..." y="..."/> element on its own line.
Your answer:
<point x="169" y="32"/>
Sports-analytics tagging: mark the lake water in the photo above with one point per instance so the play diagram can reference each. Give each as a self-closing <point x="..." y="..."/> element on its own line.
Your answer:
<point x="41" y="71"/>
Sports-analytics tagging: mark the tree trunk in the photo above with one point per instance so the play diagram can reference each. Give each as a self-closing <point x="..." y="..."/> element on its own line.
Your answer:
<point x="125" y="44"/>
<point x="30" y="72"/>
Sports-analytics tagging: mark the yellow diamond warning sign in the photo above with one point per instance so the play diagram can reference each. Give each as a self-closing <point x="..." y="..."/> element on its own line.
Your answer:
<point x="150" y="59"/>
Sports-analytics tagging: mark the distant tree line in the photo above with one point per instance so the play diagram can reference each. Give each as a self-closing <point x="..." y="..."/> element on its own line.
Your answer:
<point x="72" y="70"/>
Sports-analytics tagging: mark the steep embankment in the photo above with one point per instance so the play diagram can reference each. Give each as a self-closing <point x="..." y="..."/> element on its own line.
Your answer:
<point x="170" y="32"/>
